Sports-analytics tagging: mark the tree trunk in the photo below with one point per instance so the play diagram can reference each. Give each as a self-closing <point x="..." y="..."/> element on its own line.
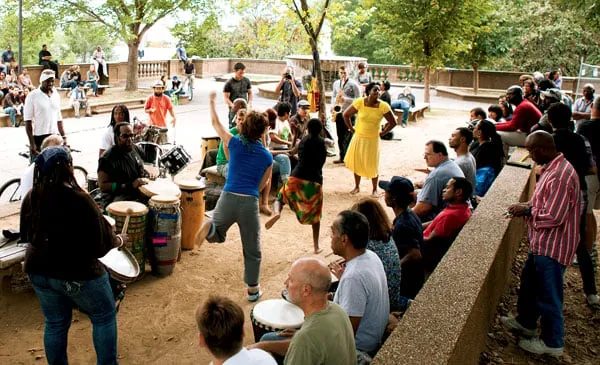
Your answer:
<point x="132" y="65"/>
<point x="475" y="78"/>
<point x="427" y="84"/>
<point x="319" y="76"/>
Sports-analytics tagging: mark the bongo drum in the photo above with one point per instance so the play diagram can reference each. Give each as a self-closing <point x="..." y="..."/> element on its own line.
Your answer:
<point x="275" y="315"/>
<point x="122" y="266"/>
<point x="163" y="136"/>
<point x="175" y="160"/>
<point x="165" y="233"/>
<point x="136" y="229"/>
<point x="192" y="211"/>
<point x="209" y="143"/>
<point x="160" y="187"/>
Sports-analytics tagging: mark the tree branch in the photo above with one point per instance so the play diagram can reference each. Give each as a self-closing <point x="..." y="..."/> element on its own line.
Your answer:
<point x="325" y="7"/>
<point x="92" y="14"/>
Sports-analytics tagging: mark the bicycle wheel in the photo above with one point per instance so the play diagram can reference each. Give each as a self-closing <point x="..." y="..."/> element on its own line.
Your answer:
<point x="80" y="176"/>
<point x="10" y="191"/>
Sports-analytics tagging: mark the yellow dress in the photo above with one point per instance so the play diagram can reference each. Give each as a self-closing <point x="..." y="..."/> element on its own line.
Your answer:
<point x="362" y="156"/>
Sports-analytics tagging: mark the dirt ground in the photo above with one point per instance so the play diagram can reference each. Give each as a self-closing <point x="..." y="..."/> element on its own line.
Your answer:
<point x="156" y="320"/>
<point x="582" y="337"/>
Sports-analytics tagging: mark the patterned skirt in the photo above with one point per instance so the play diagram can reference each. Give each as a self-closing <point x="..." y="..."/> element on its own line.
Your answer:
<point x="303" y="197"/>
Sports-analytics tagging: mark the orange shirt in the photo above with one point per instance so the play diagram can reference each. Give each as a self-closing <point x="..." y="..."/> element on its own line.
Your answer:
<point x="161" y="105"/>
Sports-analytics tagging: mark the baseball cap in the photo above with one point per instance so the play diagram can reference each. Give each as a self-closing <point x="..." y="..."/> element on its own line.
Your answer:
<point x="552" y="93"/>
<point x="398" y="186"/>
<point x="157" y="83"/>
<point x="303" y="104"/>
<point x="46" y="74"/>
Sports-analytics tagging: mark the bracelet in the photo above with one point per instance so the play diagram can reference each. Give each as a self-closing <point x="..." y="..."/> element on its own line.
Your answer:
<point x="113" y="187"/>
<point x="120" y="239"/>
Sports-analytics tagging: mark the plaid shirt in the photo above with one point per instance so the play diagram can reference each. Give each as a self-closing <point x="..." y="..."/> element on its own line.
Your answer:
<point x="556" y="211"/>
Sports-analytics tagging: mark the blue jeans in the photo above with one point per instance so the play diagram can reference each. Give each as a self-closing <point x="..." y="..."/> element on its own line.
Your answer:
<point x="402" y="104"/>
<point x="12" y="112"/>
<point x="94" y="86"/>
<point x="541" y="295"/>
<point x="93" y="297"/>
<point x="284" y="167"/>
<point x="68" y="85"/>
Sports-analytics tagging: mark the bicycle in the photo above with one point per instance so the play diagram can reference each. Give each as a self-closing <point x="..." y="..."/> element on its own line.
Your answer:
<point x="11" y="190"/>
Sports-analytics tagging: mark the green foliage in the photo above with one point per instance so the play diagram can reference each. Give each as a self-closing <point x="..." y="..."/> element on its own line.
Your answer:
<point x="205" y="38"/>
<point x="81" y="40"/>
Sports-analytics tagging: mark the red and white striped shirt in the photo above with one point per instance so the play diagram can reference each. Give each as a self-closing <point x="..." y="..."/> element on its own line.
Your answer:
<point x="556" y="211"/>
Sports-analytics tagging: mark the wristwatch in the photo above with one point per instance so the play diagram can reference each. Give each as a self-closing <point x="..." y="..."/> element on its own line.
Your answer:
<point x="528" y="211"/>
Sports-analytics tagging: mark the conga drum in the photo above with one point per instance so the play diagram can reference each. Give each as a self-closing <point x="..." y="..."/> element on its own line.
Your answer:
<point x="192" y="211"/>
<point x="165" y="233"/>
<point x="209" y="143"/>
<point x="275" y="315"/>
<point x="160" y="187"/>
<point x="136" y="230"/>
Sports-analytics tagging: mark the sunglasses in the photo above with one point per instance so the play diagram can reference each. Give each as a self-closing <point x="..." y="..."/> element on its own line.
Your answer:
<point x="127" y="135"/>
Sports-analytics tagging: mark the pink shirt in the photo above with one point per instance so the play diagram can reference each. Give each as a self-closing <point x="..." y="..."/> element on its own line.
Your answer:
<point x="553" y="227"/>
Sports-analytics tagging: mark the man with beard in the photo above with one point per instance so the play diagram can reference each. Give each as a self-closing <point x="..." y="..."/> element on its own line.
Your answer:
<point x="526" y="115"/>
<point x="121" y="167"/>
<point x="157" y="106"/>
<point x="582" y="109"/>
<point x="42" y="113"/>
<point x="326" y="335"/>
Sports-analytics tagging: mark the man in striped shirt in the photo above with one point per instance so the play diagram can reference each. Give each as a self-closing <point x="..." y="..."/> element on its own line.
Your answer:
<point x="552" y="217"/>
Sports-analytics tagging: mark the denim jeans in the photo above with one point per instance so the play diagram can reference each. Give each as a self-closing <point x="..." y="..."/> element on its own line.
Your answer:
<point x="94" y="86"/>
<point x="586" y="268"/>
<point x="273" y="336"/>
<point x="404" y="106"/>
<point x="68" y="85"/>
<point x="12" y="112"/>
<point x="285" y="167"/>
<point x="93" y="297"/>
<point x="541" y="295"/>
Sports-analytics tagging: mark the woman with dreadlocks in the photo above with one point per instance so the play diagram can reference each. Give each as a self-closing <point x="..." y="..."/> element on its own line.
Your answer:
<point x="67" y="234"/>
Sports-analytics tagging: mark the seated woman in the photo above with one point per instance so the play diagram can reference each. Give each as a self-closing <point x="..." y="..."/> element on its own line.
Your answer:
<point x="489" y="155"/>
<point x="92" y="79"/>
<point x="382" y="243"/>
<point x="65" y="79"/>
<point x="496" y="114"/>
<point x="25" y="80"/>
<point x="303" y="191"/>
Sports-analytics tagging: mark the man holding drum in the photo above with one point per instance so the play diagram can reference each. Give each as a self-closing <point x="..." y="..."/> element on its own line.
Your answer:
<point x="326" y="336"/>
<point x="121" y="168"/>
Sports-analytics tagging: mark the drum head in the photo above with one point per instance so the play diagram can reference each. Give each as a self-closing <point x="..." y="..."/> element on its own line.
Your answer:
<point x="191" y="185"/>
<point x="121" y="208"/>
<point x="121" y="264"/>
<point x="278" y="313"/>
<point x="160" y="187"/>
<point x="164" y="199"/>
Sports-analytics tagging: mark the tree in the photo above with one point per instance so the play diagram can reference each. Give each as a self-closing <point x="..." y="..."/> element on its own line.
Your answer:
<point x="127" y="20"/>
<point x="81" y="39"/>
<point x="427" y="32"/>
<point x="38" y="28"/>
<point x="205" y="38"/>
<point x="312" y="21"/>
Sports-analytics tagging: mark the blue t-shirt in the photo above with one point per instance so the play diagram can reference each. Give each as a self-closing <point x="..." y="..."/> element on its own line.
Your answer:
<point x="434" y="185"/>
<point x="247" y="164"/>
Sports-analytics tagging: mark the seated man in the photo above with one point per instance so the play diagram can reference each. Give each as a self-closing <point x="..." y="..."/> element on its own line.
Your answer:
<point x="176" y="86"/>
<point x="221" y="326"/>
<point x="362" y="291"/>
<point x="326" y="336"/>
<point x="45" y="59"/>
<point x="121" y="167"/>
<point x="13" y="106"/>
<point x="443" y="229"/>
<point x="525" y="116"/>
<point x="405" y="101"/>
<point x="429" y="199"/>
<point x="79" y="100"/>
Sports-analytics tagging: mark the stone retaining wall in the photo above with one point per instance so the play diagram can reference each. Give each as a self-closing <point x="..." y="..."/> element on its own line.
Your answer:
<point x="449" y="319"/>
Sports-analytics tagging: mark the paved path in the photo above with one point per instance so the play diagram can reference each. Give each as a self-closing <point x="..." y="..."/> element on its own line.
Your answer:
<point x="193" y="122"/>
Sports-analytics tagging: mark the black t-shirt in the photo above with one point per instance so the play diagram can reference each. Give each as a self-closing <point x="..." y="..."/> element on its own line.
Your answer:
<point x="287" y="95"/>
<point x="76" y="236"/>
<point x="590" y="129"/>
<point x="123" y="167"/>
<point x="312" y="153"/>
<point x="572" y="146"/>
<point x="487" y="155"/>
<point x="237" y="88"/>
<point x="43" y="54"/>
<point x="407" y="232"/>
<point x="386" y="97"/>
<point x="189" y="68"/>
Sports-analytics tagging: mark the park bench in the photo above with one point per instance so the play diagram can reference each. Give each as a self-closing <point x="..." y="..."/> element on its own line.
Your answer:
<point x="416" y="112"/>
<point x="66" y="91"/>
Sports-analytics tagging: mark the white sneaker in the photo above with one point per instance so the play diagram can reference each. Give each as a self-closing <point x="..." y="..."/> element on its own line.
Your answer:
<point x="593" y="300"/>
<point x="537" y="346"/>
<point x="511" y="322"/>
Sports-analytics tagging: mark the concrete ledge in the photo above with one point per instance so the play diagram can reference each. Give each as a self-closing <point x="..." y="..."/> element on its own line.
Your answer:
<point x="449" y="320"/>
<point x="463" y="93"/>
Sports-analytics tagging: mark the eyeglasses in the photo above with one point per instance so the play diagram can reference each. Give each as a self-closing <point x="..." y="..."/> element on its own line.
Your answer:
<point x="127" y="135"/>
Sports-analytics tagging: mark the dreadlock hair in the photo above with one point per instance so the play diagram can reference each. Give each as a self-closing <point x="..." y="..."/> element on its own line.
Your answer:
<point x="125" y="111"/>
<point x="45" y="197"/>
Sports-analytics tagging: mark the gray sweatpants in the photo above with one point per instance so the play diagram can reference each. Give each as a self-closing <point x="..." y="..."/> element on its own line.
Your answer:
<point x="242" y="210"/>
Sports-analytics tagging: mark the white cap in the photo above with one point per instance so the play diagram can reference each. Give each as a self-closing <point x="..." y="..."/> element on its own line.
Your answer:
<point x="46" y="74"/>
<point x="158" y="83"/>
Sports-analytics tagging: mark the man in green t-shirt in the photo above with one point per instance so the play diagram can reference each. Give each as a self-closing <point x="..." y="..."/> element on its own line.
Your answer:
<point x="326" y="337"/>
<point x="222" y="154"/>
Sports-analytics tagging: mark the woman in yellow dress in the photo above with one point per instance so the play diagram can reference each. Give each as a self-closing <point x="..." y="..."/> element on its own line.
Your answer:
<point x="362" y="156"/>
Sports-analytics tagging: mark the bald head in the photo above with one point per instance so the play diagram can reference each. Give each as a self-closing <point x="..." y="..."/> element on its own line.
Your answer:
<point x="541" y="147"/>
<point x="313" y="272"/>
<point x="52" y="140"/>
